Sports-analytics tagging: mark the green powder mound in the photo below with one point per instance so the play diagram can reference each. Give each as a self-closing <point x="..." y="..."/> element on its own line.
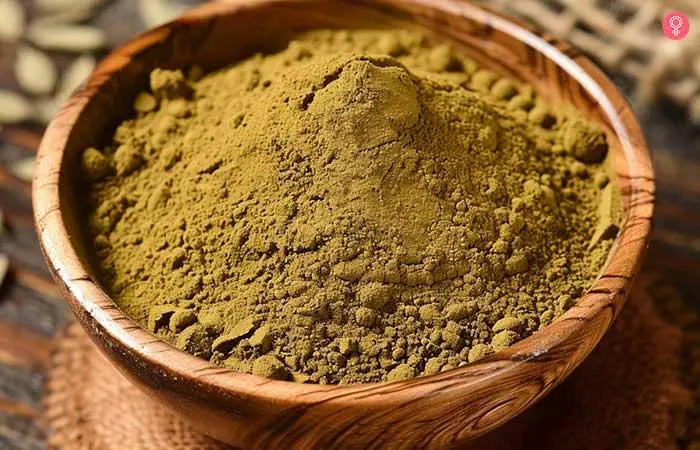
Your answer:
<point x="362" y="206"/>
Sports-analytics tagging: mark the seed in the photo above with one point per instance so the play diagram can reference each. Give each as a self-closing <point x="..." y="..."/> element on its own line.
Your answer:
<point x="23" y="169"/>
<point x="34" y="71"/>
<point x="12" y="22"/>
<point x="4" y="267"/>
<point x="74" y="75"/>
<point x="157" y="12"/>
<point x="13" y="107"/>
<point x="70" y="38"/>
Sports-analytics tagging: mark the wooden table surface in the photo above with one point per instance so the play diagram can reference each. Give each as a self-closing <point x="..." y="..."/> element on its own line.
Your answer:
<point x="32" y="312"/>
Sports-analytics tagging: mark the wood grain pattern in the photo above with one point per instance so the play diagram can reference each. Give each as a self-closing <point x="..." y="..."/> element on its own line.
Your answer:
<point x="438" y="411"/>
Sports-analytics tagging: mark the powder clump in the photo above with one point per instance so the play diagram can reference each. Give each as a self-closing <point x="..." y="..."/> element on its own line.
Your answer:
<point x="363" y="209"/>
<point x="94" y="165"/>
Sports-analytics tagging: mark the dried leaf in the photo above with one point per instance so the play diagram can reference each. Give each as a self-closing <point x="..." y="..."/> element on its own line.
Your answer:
<point x="11" y="20"/>
<point x="69" y="38"/>
<point x="13" y="107"/>
<point x="4" y="267"/>
<point x="23" y="169"/>
<point x="157" y="12"/>
<point x="34" y="71"/>
<point x="73" y="76"/>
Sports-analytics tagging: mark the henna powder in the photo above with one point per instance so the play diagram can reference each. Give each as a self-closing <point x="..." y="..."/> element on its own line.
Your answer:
<point x="360" y="206"/>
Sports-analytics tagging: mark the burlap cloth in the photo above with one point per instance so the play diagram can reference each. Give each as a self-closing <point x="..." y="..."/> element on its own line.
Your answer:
<point x="627" y="395"/>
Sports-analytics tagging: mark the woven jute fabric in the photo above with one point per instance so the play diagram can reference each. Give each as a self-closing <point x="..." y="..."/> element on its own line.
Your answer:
<point x="91" y="406"/>
<point x="625" y="37"/>
<point x="626" y="395"/>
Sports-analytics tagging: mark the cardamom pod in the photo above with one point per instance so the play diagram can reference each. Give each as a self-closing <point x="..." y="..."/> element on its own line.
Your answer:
<point x="62" y="17"/>
<point x="48" y="6"/>
<point x="23" y="169"/>
<point x="45" y="109"/>
<point x="65" y="11"/>
<point x="69" y="38"/>
<point x="34" y="71"/>
<point x="74" y="75"/>
<point x="154" y="13"/>
<point x="12" y="22"/>
<point x="13" y="107"/>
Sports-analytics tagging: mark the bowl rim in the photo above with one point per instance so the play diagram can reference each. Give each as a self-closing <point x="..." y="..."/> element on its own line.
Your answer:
<point x="97" y="311"/>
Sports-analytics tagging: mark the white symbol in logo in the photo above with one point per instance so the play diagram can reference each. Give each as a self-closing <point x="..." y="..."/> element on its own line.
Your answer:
<point x="676" y="23"/>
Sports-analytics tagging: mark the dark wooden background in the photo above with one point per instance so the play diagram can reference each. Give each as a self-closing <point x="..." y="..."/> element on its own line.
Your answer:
<point x="32" y="312"/>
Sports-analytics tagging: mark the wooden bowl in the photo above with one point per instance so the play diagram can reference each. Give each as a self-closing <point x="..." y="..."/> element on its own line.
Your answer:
<point x="435" y="411"/>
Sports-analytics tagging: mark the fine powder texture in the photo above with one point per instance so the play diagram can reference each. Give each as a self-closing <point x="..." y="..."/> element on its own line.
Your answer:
<point x="361" y="206"/>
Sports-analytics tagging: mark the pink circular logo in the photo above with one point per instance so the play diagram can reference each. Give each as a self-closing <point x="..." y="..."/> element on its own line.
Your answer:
<point x="676" y="25"/>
